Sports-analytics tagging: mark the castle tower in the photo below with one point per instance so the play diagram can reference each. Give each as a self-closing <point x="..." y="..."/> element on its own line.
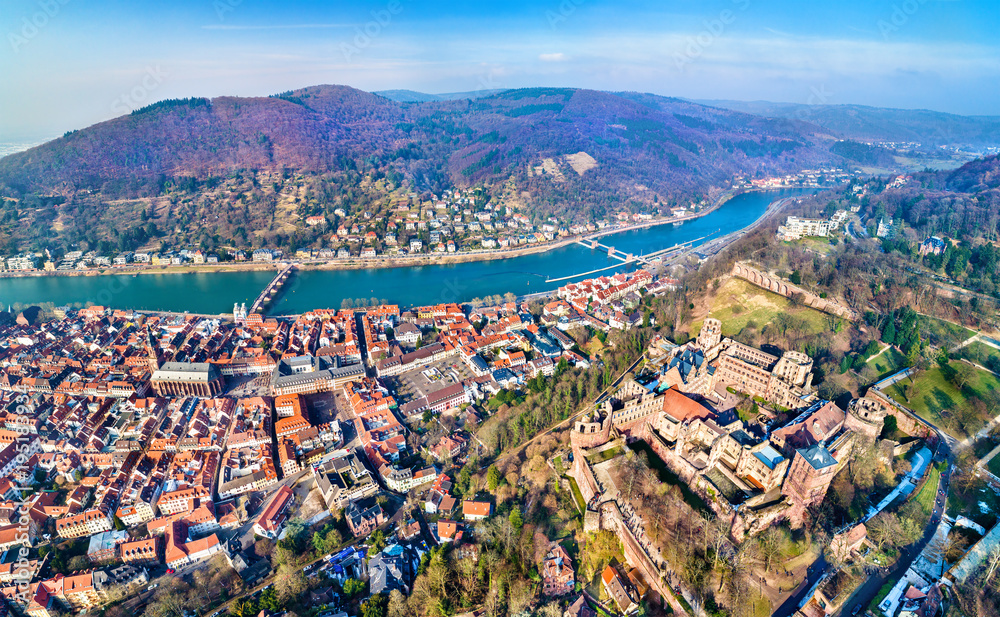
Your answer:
<point x="710" y="335"/>
<point x="866" y="416"/>
<point x="795" y="368"/>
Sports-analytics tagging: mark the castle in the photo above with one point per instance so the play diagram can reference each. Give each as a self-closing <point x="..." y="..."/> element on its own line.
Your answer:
<point x="748" y="474"/>
<point x="710" y="361"/>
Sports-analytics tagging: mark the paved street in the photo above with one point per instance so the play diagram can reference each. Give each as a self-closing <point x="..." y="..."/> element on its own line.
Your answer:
<point x="245" y="532"/>
<point x="867" y="591"/>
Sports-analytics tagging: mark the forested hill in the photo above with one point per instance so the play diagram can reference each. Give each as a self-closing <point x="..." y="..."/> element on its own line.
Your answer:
<point x="979" y="175"/>
<point x="963" y="203"/>
<point x="643" y="145"/>
<point x="865" y="123"/>
<point x="249" y="171"/>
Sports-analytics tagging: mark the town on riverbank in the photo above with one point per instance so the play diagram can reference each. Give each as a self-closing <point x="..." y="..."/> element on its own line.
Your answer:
<point x="454" y="230"/>
<point x="332" y="453"/>
<point x="334" y="456"/>
<point x="526" y="276"/>
<point x="722" y="433"/>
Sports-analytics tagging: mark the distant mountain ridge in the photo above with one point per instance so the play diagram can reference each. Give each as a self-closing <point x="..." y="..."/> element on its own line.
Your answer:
<point x="642" y="143"/>
<point x="879" y="124"/>
<point x="659" y="140"/>
<point x="412" y="96"/>
<point x="249" y="171"/>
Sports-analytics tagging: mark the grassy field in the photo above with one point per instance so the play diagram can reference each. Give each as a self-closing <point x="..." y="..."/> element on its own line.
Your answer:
<point x="739" y="302"/>
<point x="577" y="495"/>
<point x="888" y="362"/>
<point x="942" y="333"/>
<point x="594" y="347"/>
<point x="928" y="492"/>
<point x="934" y="397"/>
<point x="979" y="352"/>
<point x="994" y="465"/>
<point x="604" y="455"/>
<point x="820" y="245"/>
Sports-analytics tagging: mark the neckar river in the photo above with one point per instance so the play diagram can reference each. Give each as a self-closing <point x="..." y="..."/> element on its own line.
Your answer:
<point x="215" y="292"/>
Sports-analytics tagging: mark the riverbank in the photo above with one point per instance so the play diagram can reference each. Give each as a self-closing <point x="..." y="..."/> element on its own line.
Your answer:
<point x="385" y="261"/>
<point x="446" y="259"/>
<point x="213" y="288"/>
<point x="714" y="247"/>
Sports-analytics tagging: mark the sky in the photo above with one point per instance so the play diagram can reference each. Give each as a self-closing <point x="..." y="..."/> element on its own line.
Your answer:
<point x="67" y="64"/>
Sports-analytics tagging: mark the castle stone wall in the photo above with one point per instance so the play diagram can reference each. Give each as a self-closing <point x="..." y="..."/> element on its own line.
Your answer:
<point x="784" y="288"/>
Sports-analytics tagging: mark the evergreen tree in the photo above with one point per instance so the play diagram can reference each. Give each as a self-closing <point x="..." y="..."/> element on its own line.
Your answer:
<point x="889" y="334"/>
<point x="515" y="519"/>
<point x="492" y="478"/>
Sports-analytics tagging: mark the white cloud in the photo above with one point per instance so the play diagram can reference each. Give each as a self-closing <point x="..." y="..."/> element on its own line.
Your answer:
<point x="559" y="57"/>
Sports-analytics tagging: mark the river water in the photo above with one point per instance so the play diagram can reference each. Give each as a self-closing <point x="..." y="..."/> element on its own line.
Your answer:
<point x="216" y="292"/>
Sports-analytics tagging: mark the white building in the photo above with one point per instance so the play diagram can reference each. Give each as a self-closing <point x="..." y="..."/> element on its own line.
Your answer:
<point x="796" y="228"/>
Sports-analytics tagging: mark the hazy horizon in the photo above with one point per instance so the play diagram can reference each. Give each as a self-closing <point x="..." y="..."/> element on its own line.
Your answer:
<point x="12" y="143"/>
<point x="69" y="64"/>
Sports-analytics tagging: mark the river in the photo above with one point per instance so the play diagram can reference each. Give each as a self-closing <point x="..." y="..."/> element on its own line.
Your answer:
<point x="215" y="292"/>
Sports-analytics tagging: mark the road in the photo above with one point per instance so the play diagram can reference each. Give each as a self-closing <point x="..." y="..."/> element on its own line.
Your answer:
<point x="877" y="577"/>
<point x="866" y="593"/>
<point x="245" y="531"/>
<point x="816" y="571"/>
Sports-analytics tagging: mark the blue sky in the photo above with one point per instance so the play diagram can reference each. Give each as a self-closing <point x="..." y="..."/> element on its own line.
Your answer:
<point x="66" y="64"/>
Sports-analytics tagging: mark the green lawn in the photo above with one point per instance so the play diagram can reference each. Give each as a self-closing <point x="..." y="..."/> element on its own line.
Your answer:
<point x="939" y="401"/>
<point x="558" y="464"/>
<point x="889" y="362"/>
<point x="994" y="465"/>
<point x="943" y="333"/>
<point x="739" y="302"/>
<point x="979" y="352"/>
<point x="577" y="495"/>
<point x="604" y="455"/>
<point x="820" y="245"/>
<point x="928" y="492"/>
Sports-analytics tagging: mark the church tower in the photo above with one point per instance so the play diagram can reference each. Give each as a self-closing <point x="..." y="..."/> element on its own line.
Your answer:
<point x="154" y="360"/>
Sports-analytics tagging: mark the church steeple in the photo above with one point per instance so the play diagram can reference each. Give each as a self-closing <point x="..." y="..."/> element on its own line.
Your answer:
<point x="154" y="360"/>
